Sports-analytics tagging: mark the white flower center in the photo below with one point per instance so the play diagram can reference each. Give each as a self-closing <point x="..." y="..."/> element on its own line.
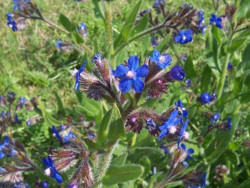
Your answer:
<point x="130" y="74"/>
<point x="47" y="172"/>
<point x="54" y="134"/>
<point x="186" y="135"/>
<point x="74" y="73"/>
<point x="184" y="38"/>
<point x="172" y="129"/>
<point x="162" y="59"/>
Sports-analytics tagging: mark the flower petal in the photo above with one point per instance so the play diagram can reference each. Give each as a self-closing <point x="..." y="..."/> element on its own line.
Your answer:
<point x="120" y="71"/>
<point x="125" y="85"/>
<point x="142" y="71"/>
<point x="133" y="63"/>
<point x="138" y="85"/>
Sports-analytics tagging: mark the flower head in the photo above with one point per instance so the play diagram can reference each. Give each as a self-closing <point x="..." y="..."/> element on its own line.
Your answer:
<point x="11" y="22"/>
<point x="6" y="148"/>
<point x="44" y="184"/>
<point x="97" y="57"/>
<point x="184" y="37"/>
<point x="82" y="30"/>
<point x="229" y="66"/>
<point x="177" y="73"/>
<point x="206" y="98"/>
<point x="217" y="21"/>
<point x="51" y="170"/>
<point x="188" y="82"/>
<point x="229" y="123"/>
<point x="130" y="76"/>
<point x="154" y="41"/>
<point x="158" y="4"/>
<point x="181" y="109"/>
<point x="169" y="126"/>
<point x="162" y="61"/>
<point x="215" y="118"/>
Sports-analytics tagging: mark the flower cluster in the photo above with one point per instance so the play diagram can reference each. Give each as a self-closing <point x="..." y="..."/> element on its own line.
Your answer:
<point x="217" y="21"/>
<point x="206" y="98"/>
<point x="22" y="10"/>
<point x="63" y="134"/>
<point x="71" y="156"/>
<point x="9" y="115"/>
<point x="82" y="30"/>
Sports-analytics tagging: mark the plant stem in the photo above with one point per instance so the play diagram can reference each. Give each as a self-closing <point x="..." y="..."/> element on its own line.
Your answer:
<point x="108" y="20"/>
<point x="141" y="34"/>
<point x="224" y="70"/>
<point x="103" y="165"/>
<point x="54" y="25"/>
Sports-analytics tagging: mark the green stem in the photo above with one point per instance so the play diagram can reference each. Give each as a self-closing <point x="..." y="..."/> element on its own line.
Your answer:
<point x="141" y="34"/>
<point x="223" y="76"/>
<point x="108" y="20"/>
<point x="103" y="164"/>
<point x="54" y="25"/>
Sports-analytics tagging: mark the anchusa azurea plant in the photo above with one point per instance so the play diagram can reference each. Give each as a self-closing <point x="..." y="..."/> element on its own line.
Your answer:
<point x="139" y="112"/>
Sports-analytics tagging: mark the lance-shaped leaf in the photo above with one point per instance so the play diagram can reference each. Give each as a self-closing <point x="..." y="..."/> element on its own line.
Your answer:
<point x="120" y="174"/>
<point x="112" y="127"/>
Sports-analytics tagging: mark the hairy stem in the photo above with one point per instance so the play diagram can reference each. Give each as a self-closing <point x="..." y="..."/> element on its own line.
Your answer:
<point x="103" y="165"/>
<point x="109" y="36"/>
<point x="54" y="25"/>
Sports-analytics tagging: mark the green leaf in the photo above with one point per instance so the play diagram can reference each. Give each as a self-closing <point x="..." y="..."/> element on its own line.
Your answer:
<point x="97" y="10"/>
<point x="205" y="79"/>
<point x="162" y="45"/>
<point x="120" y="160"/>
<point x="246" y="57"/>
<point x="66" y="23"/>
<point x="77" y="37"/>
<point x="189" y="68"/>
<point x="174" y="184"/>
<point x="235" y="45"/>
<point x="50" y="120"/>
<point x="238" y="84"/>
<point x="216" y="34"/>
<point x="120" y="174"/>
<point x="59" y="103"/>
<point x="111" y="127"/>
<point x="244" y="8"/>
<point x="125" y="32"/>
<point x="141" y="25"/>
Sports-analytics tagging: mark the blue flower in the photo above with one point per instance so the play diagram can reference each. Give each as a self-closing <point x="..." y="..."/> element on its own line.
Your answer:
<point x="184" y="37"/>
<point x="229" y="123"/>
<point x="177" y="73"/>
<point x="154" y="41"/>
<point x="162" y="61"/>
<point x="184" y="111"/>
<point x="158" y="4"/>
<point x="82" y="30"/>
<point x="59" y="45"/>
<point x="11" y="96"/>
<point x="44" y="184"/>
<point x="188" y="82"/>
<point x="78" y="76"/>
<point x="21" y="102"/>
<point x="11" y="23"/>
<point x="229" y="66"/>
<point x="167" y="127"/>
<point x="64" y="135"/>
<point x="51" y="170"/>
<point x="56" y="133"/>
<point x="97" y="57"/>
<point x="217" y="21"/>
<point x="17" y="120"/>
<point x="165" y="149"/>
<point x="188" y="151"/>
<point x="183" y="132"/>
<point x="185" y="164"/>
<point x="131" y="75"/>
<point x="6" y="148"/>
<point x="215" y="117"/>
<point x="21" y="185"/>
<point x="206" y="98"/>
